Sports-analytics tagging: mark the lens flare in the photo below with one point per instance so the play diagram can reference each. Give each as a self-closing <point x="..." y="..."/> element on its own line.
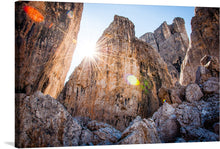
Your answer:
<point x="132" y="80"/>
<point x="70" y="14"/>
<point x="164" y="100"/>
<point x="34" y="14"/>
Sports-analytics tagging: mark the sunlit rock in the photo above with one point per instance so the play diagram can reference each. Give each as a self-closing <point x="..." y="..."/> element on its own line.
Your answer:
<point x="120" y="81"/>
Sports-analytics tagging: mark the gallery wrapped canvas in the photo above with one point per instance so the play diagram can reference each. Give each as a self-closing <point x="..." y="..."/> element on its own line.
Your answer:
<point x="111" y="74"/>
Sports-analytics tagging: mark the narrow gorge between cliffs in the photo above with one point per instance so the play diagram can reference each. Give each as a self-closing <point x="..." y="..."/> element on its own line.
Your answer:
<point x="162" y="87"/>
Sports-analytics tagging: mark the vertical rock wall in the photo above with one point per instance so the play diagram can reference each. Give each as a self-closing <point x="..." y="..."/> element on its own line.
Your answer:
<point x="171" y="41"/>
<point x="204" y="41"/>
<point x="105" y="87"/>
<point x="45" y="39"/>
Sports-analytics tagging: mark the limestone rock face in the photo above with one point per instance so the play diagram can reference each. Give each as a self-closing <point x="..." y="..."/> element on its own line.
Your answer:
<point x="204" y="41"/>
<point x="120" y="82"/>
<point x="171" y="41"/>
<point x="44" y="46"/>
<point x="150" y="39"/>
<point x="41" y="121"/>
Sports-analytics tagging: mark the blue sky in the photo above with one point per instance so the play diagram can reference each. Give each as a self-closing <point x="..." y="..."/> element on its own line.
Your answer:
<point x="97" y="17"/>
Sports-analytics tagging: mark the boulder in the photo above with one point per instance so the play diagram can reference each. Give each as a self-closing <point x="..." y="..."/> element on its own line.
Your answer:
<point x="140" y="132"/>
<point x="103" y="133"/>
<point x="83" y="121"/>
<point x="202" y="75"/>
<point x="164" y="95"/>
<point x="211" y="86"/>
<point x="209" y="108"/>
<point x="41" y="121"/>
<point x="198" y="134"/>
<point x="188" y="114"/>
<point x="210" y="62"/>
<point x="193" y="93"/>
<point x="166" y="123"/>
<point x="175" y="97"/>
<point x="86" y="137"/>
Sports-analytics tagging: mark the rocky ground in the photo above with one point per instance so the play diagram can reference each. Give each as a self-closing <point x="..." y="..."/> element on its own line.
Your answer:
<point x="105" y="107"/>
<point x="195" y="117"/>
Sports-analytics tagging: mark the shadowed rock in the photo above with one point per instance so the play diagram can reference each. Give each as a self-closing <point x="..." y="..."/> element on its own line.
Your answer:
<point x="171" y="41"/>
<point x="204" y="41"/>
<point x="43" y="50"/>
<point x="41" y="121"/>
<point x="166" y="123"/>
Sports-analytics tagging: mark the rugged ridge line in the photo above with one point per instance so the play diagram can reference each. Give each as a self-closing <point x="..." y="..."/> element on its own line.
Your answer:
<point x="171" y="41"/>
<point x="99" y="88"/>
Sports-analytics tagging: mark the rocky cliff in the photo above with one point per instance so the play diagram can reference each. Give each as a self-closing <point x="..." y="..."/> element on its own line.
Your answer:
<point x="45" y="39"/>
<point x="204" y="41"/>
<point x="120" y="82"/>
<point x="171" y="41"/>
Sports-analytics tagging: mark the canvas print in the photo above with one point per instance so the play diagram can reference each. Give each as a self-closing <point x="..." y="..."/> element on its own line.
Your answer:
<point x="111" y="74"/>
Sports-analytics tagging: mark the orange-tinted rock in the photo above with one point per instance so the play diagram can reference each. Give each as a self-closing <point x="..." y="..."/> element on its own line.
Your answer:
<point x="44" y="46"/>
<point x="121" y="82"/>
<point x="204" y="41"/>
<point x="172" y="95"/>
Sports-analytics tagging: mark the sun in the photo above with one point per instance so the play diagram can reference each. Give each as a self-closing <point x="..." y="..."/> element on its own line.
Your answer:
<point x="88" y="50"/>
